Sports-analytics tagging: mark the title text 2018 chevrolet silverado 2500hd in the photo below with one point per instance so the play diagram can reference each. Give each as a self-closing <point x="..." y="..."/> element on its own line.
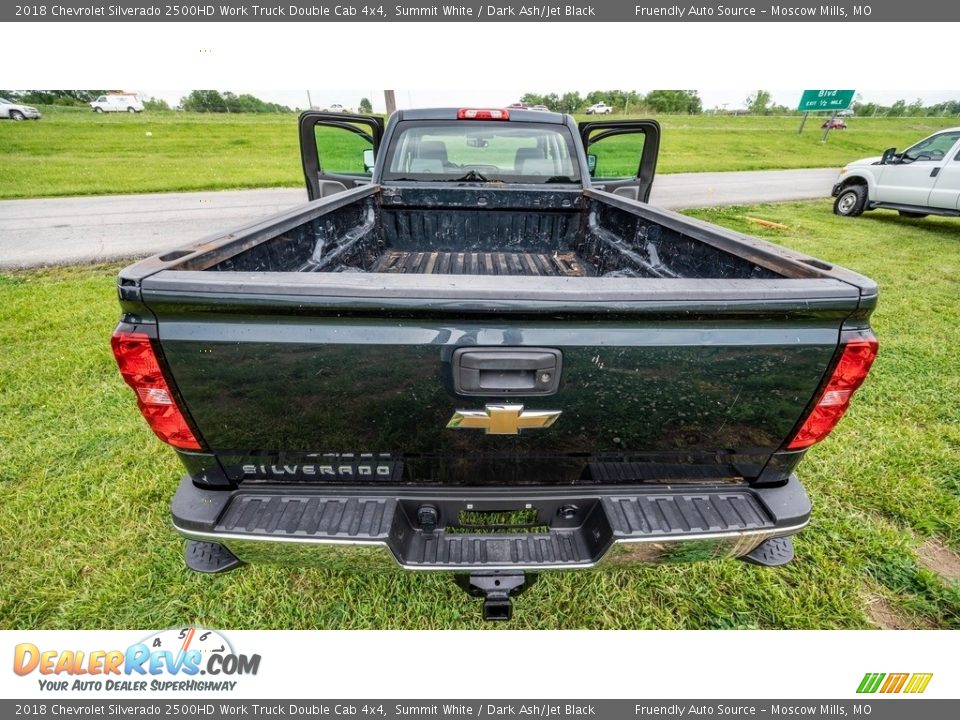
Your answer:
<point x="922" y="180"/>
<point x="480" y="359"/>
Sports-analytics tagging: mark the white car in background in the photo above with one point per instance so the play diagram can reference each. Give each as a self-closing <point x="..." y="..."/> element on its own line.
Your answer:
<point x="922" y="180"/>
<point x="15" y="111"/>
<point x="116" y="102"/>
<point x="599" y="109"/>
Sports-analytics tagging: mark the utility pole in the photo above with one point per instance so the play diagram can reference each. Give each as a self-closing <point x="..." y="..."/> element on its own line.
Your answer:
<point x="309" y="101"/>
<point x="389" y="97"/>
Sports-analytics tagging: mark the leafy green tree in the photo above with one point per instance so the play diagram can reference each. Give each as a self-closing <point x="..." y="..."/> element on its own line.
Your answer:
<point x="674" y="101"/>
<point x="203" y="101"/>
<point x="950" y="107"/>
<point x="365" y="106"/>
<point x="758" y="102"/>
<point x="74" y="98"/>
<point x="154" y="104"/>
<point x="898" y="109"/>
<point x="595" y="96"/>
<point x="227" y="102"/>
<point x="569" y="102"/>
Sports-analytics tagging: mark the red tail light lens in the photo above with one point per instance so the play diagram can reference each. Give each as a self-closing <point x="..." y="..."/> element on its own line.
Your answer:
<point x="140" y="368"/>
<point x="482" y="114"/>
<point x="850" y="372"/>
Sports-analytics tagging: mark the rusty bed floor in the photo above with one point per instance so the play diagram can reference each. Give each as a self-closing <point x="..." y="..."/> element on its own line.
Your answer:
<point x="565" y="264"/>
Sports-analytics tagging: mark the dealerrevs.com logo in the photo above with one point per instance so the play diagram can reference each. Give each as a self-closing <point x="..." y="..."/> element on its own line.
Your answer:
<point x="172" y="659"/>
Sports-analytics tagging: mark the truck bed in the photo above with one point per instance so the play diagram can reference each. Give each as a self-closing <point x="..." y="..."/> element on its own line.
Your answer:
<point x="525" y="233"/>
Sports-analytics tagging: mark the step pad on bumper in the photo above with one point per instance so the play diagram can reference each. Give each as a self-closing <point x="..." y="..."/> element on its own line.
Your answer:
<point x="647" y="526"/>
<point x="442" y="549"/>
<point x="309" y="516"/>
<point x="680" y="514"/>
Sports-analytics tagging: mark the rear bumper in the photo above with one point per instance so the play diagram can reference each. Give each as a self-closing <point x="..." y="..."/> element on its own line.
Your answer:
<point x="378" y="529"/>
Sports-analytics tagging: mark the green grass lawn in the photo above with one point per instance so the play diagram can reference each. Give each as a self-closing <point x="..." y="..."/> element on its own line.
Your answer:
<point x="85" y="486"/>
<point x="75" y="152"/>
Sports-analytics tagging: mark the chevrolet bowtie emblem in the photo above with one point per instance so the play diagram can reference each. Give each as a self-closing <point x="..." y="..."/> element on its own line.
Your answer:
<point x="503" y="419"/>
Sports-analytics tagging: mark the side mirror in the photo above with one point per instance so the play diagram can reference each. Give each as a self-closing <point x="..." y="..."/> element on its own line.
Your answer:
<point x="368" y="160"/>
<point x="888" y="155"/>
<point x="591" y="163"/>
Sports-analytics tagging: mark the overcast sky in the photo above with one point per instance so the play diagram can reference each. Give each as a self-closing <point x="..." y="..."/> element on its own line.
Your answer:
<point x="441" y="98"/>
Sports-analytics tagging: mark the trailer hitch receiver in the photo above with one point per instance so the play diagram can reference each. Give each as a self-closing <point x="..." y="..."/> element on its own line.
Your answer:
<point x="497" y="591"/>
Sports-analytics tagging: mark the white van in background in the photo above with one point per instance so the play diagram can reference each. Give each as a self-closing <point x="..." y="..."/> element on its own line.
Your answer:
<point x="117" y="102"/>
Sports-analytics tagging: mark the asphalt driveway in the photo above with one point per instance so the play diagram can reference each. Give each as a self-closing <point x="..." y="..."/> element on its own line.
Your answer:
<point x="66" y="231"/>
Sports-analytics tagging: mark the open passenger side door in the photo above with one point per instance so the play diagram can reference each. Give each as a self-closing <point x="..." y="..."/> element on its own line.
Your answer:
<point x="338" y="150"/>
<point x="622" y="155"/>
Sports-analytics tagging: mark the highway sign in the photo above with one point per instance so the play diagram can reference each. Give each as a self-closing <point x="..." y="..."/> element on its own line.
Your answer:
<point x="814" y="100"/>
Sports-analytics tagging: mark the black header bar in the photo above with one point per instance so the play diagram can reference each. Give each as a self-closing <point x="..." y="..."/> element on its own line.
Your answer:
<point x="469" y="11"/>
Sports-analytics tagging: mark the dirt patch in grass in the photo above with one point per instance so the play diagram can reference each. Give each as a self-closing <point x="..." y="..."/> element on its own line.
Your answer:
<point x="940" y="559"/>
<point x="885" y="615"/>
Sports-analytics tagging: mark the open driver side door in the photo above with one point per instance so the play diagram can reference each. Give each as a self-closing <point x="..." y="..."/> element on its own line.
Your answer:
<point x="337" y="150"/>
<point x="622" y="155"/>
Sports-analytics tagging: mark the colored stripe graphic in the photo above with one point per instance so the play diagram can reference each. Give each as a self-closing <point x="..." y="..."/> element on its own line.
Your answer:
<point x="870" y="682"/>
<point x="894" y="683"/>
<point x="918" y="682"/>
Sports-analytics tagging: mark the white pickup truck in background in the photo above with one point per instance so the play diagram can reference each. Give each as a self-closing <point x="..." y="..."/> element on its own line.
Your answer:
<point x="599" y="109"/>
<point x="922" y="180"/>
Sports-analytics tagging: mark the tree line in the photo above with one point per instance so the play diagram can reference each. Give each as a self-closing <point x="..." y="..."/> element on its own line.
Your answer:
<point x="213" y="101"/>
<point x="624" y="101"/>
<point x="656" y="102"/>
<point x="688" y="102"/>
<point x="204" y="101"/>
<point x="759" y="103"/>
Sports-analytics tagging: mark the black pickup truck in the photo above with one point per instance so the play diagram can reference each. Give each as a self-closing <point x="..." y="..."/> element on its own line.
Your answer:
<point x="472" y="351"/>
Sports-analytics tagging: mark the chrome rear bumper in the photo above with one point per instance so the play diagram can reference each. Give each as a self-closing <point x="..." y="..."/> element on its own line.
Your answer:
<point x="380" y="529"/>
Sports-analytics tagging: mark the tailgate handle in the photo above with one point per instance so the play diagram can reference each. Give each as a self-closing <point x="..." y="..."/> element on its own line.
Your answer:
<point x="506" y="371"/>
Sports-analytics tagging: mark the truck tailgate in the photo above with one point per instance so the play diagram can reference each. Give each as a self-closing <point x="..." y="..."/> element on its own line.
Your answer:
<point x="682" y="380"/>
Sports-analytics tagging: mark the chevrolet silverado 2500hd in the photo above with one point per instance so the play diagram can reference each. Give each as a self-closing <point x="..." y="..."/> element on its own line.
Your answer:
<point x="474" y="350"/>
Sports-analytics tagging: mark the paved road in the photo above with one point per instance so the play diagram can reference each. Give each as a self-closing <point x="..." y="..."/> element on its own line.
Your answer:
<point x="86" y="229"/>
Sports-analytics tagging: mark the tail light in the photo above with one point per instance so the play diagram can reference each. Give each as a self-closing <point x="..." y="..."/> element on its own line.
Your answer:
<point x="850" y="372"/>
<point x="140" y="368"/>
<point x="482" y="114"/>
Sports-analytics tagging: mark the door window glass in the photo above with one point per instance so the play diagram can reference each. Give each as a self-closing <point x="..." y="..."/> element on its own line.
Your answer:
<point x="617" y="156"/>
<point x="340" y="149"/>
<point x="933" y="148"/>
